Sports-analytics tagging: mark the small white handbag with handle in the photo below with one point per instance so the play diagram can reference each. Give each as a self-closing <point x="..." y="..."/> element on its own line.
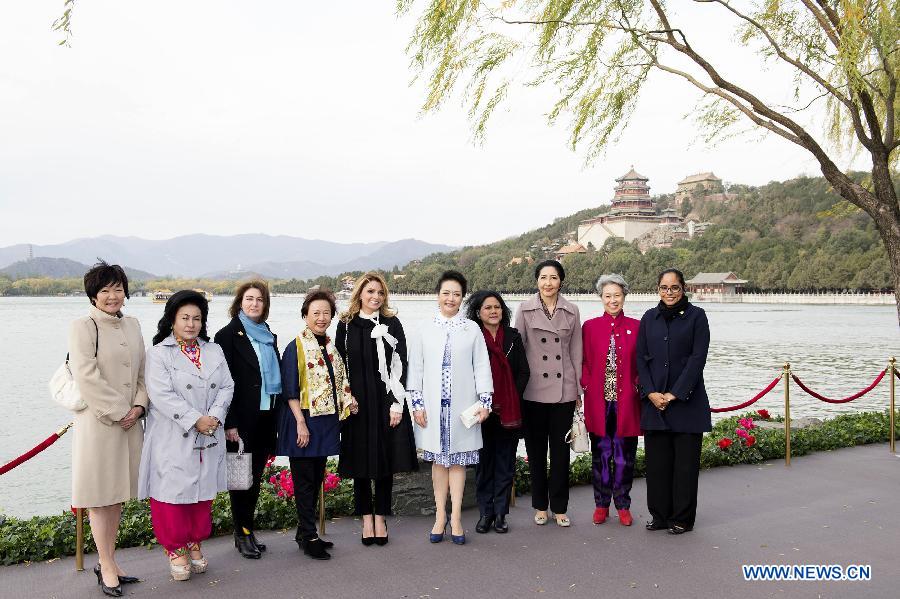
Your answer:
<point x="577" y="437"/>
<point x="238" y="468"/>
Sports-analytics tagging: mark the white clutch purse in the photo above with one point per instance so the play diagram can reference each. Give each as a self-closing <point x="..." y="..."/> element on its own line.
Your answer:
<point x="469" y="416"/>
<point x="238" y="469"/>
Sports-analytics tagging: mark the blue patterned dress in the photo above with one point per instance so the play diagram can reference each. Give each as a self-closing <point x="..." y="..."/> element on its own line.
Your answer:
<point x="445" y="457"/>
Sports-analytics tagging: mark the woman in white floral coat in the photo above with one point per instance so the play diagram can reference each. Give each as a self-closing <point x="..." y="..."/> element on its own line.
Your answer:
<point x="449" y="373"/>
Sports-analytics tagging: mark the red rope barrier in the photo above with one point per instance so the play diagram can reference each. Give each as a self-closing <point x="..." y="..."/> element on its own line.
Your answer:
<point x="752" y="401"/>
<point x="844" y="400"/>
<point x="34" y="451"/>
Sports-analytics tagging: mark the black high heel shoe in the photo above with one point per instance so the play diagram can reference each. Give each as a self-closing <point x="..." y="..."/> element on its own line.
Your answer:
<point x="367" y="541"/>
<point x="382" y="541"/>
<point x="122" y="579"/>
<point x="115" y="591"/>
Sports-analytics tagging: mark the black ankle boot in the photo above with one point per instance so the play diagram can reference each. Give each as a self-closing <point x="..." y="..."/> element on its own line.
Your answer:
<point x="315" y="549"/>
<point x="245" y="546"/>
<point x="260" y="546"/>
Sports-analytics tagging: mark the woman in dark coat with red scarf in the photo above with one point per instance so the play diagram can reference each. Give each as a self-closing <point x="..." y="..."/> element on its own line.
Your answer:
<point x="502" y="430"/>
<point x="377" y="442"/>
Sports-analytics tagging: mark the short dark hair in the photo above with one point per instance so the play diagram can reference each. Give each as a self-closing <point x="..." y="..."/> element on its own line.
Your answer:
<point x="102" y="275"/>
<point x="185" y="297"/>
<point x="555" y="264"/>
<point x="452" y="275"/>
<point x="473" y="306"/>
<point x="675" y="272"/>
<point x="257" y="284"/>
<point x="321" y="294"/>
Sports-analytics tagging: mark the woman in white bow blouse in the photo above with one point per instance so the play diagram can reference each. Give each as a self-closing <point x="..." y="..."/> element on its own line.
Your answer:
<point x="377" y="441"/>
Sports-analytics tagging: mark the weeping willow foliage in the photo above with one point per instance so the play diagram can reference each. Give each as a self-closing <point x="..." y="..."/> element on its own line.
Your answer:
<point x="598" y="54"/>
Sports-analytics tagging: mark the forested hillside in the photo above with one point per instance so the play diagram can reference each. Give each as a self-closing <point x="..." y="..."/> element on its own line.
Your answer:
<point x="796" y="235"/>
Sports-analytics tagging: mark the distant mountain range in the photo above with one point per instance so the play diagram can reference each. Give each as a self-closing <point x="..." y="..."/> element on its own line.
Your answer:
<point x="216" y="256"/>
<point x="59" y="268"/>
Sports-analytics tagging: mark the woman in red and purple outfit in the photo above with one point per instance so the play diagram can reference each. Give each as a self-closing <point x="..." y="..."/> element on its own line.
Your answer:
<point x="612" y="405"/>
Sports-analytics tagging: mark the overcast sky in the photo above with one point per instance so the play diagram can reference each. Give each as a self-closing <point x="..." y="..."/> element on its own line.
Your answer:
<point x="285" y="117"/>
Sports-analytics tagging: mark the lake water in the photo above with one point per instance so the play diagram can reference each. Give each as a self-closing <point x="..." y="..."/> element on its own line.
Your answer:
<point x="836" y="350"/>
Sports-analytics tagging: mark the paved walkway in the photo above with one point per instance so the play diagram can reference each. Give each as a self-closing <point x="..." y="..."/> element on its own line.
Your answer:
<point x="828" y="508"/>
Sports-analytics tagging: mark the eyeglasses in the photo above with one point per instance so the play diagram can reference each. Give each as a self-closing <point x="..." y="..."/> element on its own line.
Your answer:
<point x="672" y="289"/>
<point x="198" y="441"/>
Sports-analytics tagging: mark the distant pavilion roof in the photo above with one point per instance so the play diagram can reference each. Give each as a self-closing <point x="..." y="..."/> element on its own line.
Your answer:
<point x="632" y="175"/>
<point x="716" y="278"/>
<point x="699" y="177"/>
<point x="572" y="248"/>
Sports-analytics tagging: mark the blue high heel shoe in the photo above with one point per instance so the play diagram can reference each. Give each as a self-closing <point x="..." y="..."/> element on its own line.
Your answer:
<point x="457" y="539"/>
<point x="437" y="538"/>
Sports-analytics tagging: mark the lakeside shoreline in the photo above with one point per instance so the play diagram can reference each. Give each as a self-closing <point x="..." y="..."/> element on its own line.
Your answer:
<point x="813" y="299"/>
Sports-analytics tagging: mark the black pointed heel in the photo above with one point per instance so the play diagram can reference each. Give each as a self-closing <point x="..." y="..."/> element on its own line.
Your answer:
<point x="115" y="591"/>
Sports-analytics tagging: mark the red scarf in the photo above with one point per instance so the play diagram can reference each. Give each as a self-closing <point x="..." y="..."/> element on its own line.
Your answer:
<point x="506" y="398"/>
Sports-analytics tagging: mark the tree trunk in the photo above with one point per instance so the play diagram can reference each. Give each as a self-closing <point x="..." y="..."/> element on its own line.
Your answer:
<point x="880" y="204"/>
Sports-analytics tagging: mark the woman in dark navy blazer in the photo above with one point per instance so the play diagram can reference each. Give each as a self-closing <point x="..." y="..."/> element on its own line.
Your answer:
<point x="250" y="348"/>
<point x="672" y="344"/>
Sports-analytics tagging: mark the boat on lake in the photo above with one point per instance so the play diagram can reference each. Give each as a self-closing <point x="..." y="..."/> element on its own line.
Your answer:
<point x="161" y="296"/>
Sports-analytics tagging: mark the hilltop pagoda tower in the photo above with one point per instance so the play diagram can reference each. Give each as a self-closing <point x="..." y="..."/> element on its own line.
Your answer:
<point x="631" y="215"/>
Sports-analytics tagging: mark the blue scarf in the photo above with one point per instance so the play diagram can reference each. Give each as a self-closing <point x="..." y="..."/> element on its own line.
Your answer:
<point x="268" y="358"/>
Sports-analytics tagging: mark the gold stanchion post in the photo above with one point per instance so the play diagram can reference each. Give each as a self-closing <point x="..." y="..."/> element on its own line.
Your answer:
<point x="891" y="369"/>
<point x="786" y="373"/>
<point x="322" y="509"/>
<point x="79" y="539"/>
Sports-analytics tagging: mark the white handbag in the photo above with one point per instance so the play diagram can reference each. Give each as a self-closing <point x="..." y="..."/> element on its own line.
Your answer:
<point x="238" y="468"/>
<point x="469" y="416"/>
<point x="63" y="389"/>
<point x="577" y="437"/>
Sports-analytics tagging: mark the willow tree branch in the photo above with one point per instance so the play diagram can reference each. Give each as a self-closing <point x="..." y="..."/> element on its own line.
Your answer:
<point x="759" y="107"/>
<point x="824" y="22"/>
<point x="746" y="110"/>
<point x="781" y="53"/>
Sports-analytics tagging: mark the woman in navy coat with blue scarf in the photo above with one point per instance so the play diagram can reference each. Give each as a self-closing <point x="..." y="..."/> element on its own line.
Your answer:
<point x="672" y="344"/>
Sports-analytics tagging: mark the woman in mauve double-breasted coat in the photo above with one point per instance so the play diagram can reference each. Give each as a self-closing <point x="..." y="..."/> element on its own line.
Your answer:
<point x="550" y="326"/>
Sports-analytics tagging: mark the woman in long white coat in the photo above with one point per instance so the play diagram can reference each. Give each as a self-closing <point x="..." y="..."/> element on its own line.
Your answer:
<point x="449" y="372"/>
<point x="183" y="464"/>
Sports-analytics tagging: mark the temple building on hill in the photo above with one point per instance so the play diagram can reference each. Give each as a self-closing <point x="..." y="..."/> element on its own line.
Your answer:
<point x="706" y="184"/>
<point x="632" y="214"/>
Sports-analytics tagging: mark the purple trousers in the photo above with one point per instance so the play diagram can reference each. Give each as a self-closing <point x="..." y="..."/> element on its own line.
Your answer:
<point x="613" y="464"/>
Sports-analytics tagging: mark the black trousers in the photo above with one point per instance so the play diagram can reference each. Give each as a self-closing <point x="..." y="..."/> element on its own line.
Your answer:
<point x="308" y="474"/>
<point x="494" y="476"/>
<point x="673" y="471"/>
<point x="363" y="501"/>
<point x="260" y="444"/>
<point x="546" y="425"/>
